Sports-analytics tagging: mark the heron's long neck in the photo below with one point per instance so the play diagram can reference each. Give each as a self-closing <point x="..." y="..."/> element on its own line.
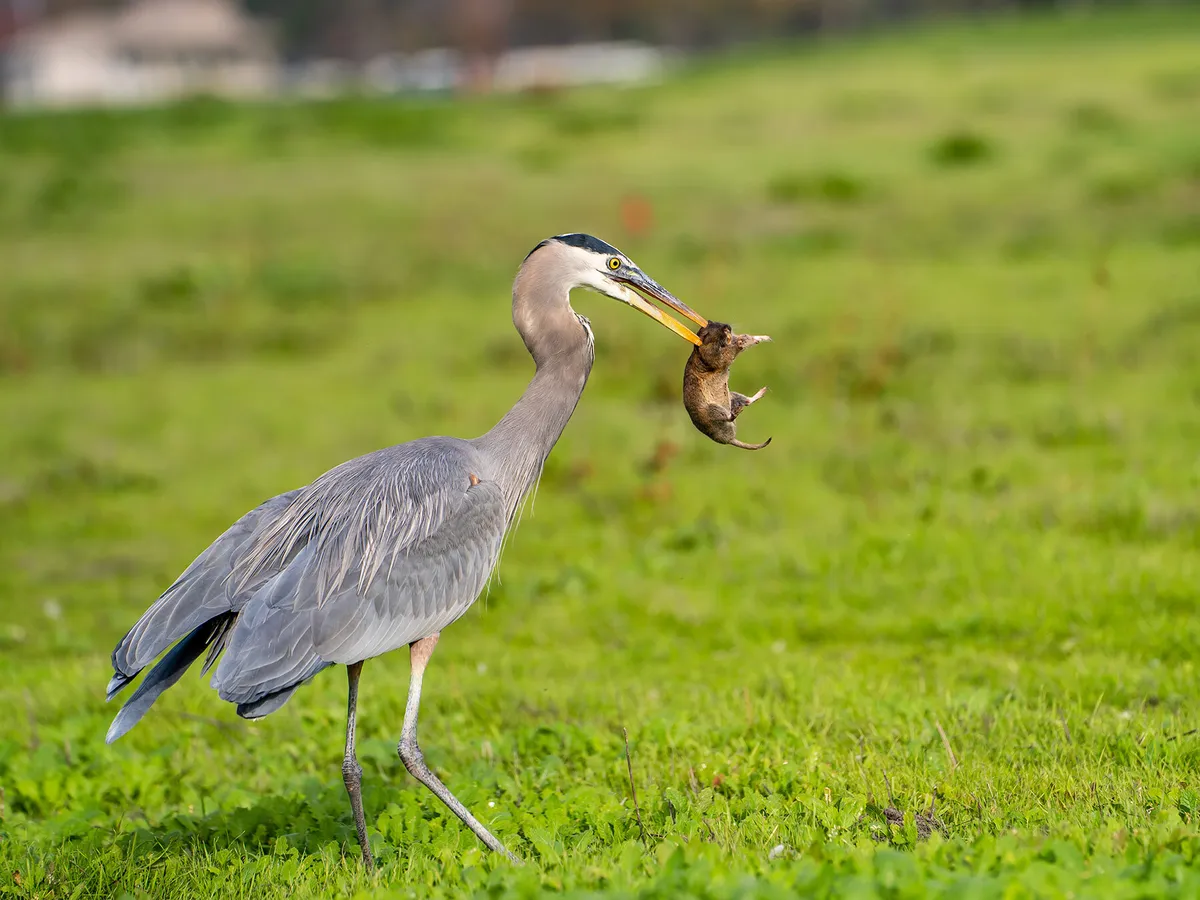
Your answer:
<point x="522" y="440"/>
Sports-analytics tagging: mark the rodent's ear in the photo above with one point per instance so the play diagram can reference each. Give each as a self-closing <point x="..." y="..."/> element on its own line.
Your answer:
<point x="727" y="332"/>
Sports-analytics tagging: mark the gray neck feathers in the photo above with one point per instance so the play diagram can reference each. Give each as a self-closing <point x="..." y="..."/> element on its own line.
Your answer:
<point x="561" y="347"/>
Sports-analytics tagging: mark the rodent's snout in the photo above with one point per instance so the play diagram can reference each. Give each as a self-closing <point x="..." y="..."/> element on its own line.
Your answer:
<point x="749" y="340"/>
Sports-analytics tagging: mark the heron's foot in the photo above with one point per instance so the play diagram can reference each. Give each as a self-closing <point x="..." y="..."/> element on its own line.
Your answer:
<point x="368" y="861"/>
<point x="414" y="760"/>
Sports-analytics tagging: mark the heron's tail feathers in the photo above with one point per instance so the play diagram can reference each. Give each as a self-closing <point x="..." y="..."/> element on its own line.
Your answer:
<point x="201" y="594"/>
<point x="256" y="709"/>
<point x="169" y="670"/>
<point x="117" y="683"/>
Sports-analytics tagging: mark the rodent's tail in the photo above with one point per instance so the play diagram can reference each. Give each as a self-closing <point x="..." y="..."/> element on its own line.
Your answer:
<point x="737" y="443"/>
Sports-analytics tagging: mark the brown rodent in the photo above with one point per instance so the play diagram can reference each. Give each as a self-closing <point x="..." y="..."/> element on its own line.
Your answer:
<point x="706" y="395"/>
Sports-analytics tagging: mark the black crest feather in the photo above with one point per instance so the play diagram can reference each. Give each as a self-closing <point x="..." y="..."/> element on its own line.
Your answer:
<point x="583" y="241"/>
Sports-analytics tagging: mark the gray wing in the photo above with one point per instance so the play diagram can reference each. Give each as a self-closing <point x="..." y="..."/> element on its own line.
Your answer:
<point x="291" y="628"/>
<point x="380" y="551"/>
<point x="202" y="593"/>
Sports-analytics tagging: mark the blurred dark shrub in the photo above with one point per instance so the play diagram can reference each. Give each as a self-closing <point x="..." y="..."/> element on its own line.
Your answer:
<point x="89" y="136"/>
<point x="575" y="120"/>
<point x="542" y="156"/>
<point x="1067" y="428"/>
<point x="78" y="135"/>
<point x="295" y="283"/>
<point x="829" y="187"/>
<point x="72" y="189"/>
<point x="1068" y="159"/>
<point x="385" y="124"/>
<point x="185" y="311"/>
<point x="196" y="115"/>
<point x="866" y="373"/>
<point x="862" y="105"/>
<point x="1029" y="237"/>
<point x="177" y="288"/>
<point x="80" y="475"/>
<point x="1183" y="232"/>
<point x="816" y="241"/>
<point x="1094" y="118"/>
<point x="1123" y="187"/>
<point x="1025" y="360"/>
<point x="961" y="148"/>
<point x="690" y="249"/>
<point x="1181" y="85"/>
<point x="1130" y="522"/>
<point x="1168" y="321"/>
<point x="1191" y="166"/>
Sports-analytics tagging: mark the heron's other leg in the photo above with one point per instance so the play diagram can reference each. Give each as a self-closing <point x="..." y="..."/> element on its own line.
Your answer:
<point x="414" y="759"/>
<point x="352" y="771"/>
<point x="738" y="402"/>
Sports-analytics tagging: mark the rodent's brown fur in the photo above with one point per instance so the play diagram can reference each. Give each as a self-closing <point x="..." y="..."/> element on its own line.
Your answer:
<point x="706" y="395"/>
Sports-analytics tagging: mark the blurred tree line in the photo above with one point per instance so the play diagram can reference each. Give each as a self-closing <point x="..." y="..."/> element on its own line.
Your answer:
<point x="359" y="29"/>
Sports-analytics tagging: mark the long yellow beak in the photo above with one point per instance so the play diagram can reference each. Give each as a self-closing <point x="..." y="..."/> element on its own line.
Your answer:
<point x="658" y="292"/>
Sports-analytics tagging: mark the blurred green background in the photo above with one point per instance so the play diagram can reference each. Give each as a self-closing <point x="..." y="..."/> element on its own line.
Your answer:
<point x="961" y="583"/>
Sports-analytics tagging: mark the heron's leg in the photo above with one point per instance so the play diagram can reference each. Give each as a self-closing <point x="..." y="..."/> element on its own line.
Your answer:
<point x="738" y="402"/>
<point x="352" y="771"/>
<point x="414" y="760"/>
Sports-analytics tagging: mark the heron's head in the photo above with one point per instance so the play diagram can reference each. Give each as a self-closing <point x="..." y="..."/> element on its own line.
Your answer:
<point x="580" y="260"/>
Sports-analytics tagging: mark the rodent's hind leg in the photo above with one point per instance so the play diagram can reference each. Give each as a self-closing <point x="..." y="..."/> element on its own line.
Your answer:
<point x="738" y="402"/>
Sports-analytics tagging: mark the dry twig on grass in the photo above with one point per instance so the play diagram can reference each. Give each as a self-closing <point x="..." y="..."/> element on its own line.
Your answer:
<point x="946" y="744"/>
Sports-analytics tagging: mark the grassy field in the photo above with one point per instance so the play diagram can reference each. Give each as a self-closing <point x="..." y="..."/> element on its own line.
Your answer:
<point x="940" y="638"/>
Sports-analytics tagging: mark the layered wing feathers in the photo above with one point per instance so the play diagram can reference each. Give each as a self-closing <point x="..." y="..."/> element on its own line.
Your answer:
<point x="376" y="553"/>
<point x="201" y="593"/>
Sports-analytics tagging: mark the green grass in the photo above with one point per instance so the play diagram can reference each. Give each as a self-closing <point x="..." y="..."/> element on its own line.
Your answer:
<point x="979" y="254"/>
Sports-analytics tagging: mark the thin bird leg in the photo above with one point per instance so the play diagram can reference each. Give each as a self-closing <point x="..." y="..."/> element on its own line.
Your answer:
<point x="352" y="771"/>
<point x="414" y="759"/>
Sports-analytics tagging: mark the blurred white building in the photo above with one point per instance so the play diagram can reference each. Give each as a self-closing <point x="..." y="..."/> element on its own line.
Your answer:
<point x="154" y="50"/>
<point x="612" y="62"/>
<point x="149" y="51"/>
<point x="520" y="68"/>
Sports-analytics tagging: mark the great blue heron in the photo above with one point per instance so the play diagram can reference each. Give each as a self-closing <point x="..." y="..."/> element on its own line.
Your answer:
<point x="387" y="549"/>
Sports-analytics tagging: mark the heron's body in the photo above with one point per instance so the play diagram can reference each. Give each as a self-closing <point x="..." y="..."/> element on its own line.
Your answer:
<point x="382" y="551"/>
<point x="379" y="552"/>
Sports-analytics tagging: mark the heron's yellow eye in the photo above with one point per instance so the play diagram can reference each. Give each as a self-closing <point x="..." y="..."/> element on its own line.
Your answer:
<point x="614" y="264"/>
